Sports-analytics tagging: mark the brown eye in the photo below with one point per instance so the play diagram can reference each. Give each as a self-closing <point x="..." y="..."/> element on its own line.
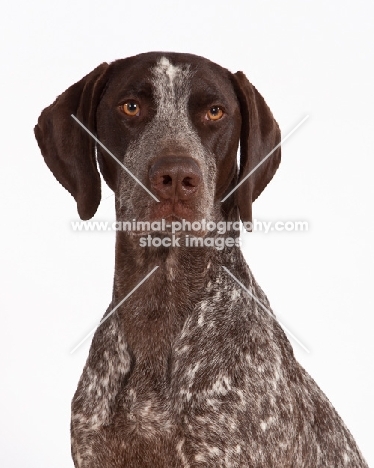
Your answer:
<point x="130" y="108"/>
<point x="214" y="113"/>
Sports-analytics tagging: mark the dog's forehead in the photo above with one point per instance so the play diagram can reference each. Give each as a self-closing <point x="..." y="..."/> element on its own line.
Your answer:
<point x="170" y="80"/>
<point x="164" y="67"/>
<point x="160" y="70"/>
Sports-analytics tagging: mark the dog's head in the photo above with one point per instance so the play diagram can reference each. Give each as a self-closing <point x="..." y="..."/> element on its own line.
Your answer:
<point x="174" y="121"/>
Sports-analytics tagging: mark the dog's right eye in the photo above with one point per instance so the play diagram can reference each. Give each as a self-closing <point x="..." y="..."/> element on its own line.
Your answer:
<point x="130" y="108"/>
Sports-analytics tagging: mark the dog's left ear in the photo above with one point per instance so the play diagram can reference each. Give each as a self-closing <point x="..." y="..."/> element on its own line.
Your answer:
<point x="260" y="133"/>
<point x="68" y="150"/>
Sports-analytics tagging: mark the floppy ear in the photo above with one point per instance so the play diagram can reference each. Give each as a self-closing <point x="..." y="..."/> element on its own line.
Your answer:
<point x="68" y="150"/>
<point x="260" y="133"/>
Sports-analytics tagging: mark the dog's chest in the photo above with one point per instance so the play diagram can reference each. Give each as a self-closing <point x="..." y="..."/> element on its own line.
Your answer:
<point x="187" y="388"/>
<point x="166" y="368"/>
<point x="201" y="397"/>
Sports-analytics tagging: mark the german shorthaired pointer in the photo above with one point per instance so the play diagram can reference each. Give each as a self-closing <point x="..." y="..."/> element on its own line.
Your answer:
<point x="189" y="371"/>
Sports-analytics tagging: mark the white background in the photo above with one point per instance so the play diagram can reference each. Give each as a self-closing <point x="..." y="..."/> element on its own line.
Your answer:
<point x="305" y="57"/>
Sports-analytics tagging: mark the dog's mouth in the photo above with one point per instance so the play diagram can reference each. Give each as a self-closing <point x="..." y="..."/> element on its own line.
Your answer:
<point x="172" y="226"/>
<point x="173" y="219"/>
<point x="165" y="219"/>
<point x="176" y="218"/>
<point x="173" y="211"/>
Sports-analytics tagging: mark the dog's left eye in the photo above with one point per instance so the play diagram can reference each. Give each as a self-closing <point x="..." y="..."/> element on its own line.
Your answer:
<point x="214" y="113"/>
<point x="130" y="108"/>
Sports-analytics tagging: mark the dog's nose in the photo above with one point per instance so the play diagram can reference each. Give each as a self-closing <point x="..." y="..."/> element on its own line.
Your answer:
<point x="175" y="177"/>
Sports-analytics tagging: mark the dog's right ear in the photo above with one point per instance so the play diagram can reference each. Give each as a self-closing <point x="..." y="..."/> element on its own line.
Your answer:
<point x="68" y="150"/>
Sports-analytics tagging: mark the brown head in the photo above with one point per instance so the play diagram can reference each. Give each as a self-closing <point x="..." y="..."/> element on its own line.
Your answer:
<point x="175" y="122"/>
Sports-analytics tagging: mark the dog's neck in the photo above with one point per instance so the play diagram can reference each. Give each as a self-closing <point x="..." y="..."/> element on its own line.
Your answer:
<point x="182" y="272"/>
<point x="155" y="312"/>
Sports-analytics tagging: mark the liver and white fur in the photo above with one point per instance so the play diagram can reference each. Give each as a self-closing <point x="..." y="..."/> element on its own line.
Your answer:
<point x="189" y="371"/>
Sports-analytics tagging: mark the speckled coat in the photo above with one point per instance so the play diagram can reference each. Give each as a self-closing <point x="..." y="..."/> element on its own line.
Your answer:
<point x="189" y="371"/>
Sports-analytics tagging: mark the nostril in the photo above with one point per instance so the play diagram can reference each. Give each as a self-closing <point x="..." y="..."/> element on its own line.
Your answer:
<point x="188" y="182"/>
<point x="167" y="180"/>
<point x="175" y="177"/>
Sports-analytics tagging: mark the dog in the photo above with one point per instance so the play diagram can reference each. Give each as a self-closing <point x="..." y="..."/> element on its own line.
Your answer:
<point x="191" y="368"/>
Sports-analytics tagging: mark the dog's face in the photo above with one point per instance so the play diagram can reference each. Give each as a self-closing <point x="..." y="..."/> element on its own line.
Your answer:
<point x="175" y="122"/>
